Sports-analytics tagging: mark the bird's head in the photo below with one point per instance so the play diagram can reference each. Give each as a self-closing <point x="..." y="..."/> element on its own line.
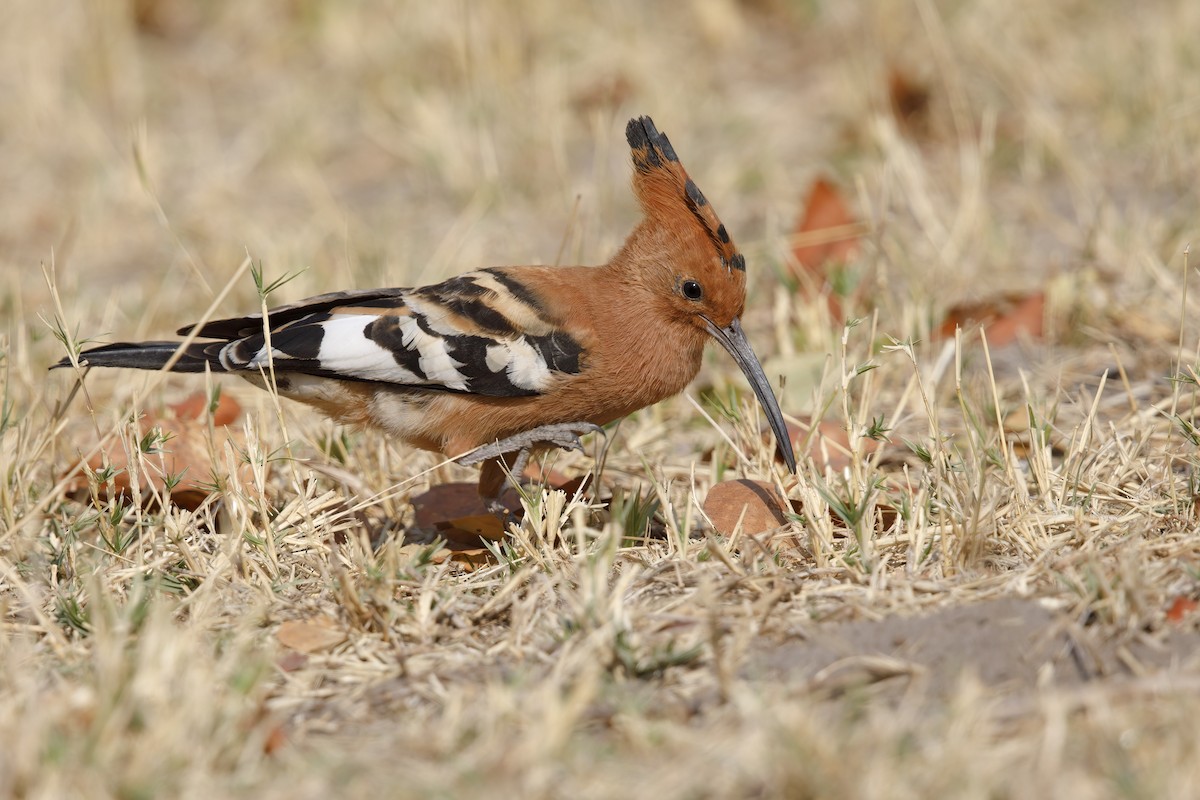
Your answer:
<point x="690" y="263"/>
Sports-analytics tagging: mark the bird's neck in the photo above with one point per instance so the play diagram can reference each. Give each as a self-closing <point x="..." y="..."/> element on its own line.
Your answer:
<point x="640" y="279"/>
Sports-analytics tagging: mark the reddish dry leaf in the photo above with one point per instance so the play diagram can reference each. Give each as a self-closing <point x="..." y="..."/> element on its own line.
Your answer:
<point x="1180" y="608"/>
<point x="727" y="501"/>
<point x="466" y="532"/>
<point x="276" y="739"/>
<point x="276" y="736"/>
<point x="196" y="405"/>
<point x="1005" y="318"/>
<point x="826" y="238"/>
<point x="458" y="506"/>
<point x="829" y="445"/>
<point x="444" y="501"/>
<point x="887" y="515"/>
<point x="310" y="635"/>
<point x="556" y="480"/>
<point x="460" y="517"/>
<point x="473" y="558"/>
<point x="186" y="454"/>
<point x="575" y="486"/>
<point x="447" y="502"/>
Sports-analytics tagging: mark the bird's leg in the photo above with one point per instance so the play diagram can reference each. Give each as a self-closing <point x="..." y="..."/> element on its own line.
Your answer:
<point x="492" y="475"/>
<point x="562" y="434"/>
<point x="511" y="455"/>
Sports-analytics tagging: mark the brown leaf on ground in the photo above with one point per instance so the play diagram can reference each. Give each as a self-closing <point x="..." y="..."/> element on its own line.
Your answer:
<point x="467" y="531"/>
<point x="886" y="515"/>
<point x="458" y="514"/>
<point x="447" y="502"/>
<point x="825" y="239"/>
<point x="755" y="503"/>
<point x="472" y="558"/>
<point x="195" y="405"/>
<point x="1005" y="318"/>
<point x="574" y="486"/>
<point x="310" y="635"/>
<point x="185" y="457"/>
<point x="557" y="480"/>
<point x="1180" y="608"/>
<point x="459" y="517"/>
<point x="276" y="739"/>
<point x="829" y="444"/>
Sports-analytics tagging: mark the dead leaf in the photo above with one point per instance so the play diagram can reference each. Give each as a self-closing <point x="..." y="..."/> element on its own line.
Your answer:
<point x="275" y="740"/>
<point x="557" y="480"/>
<point x="759" y="501"/>
<point x="310" y="635"/>
<point x="469" y="530"/>
<point x="575" y="486"/>
<point x="829" y="444"/>
<point x="450" y="501"/>
<point x="184" y="454"/>
<point x="825" y="239"/>
<point x="196" y="405"/>
<point x="473" y="558"/>
<point x="1004" y="319"/>
<point x="886" y="515"/>
<point x="1180" y="608"/>
<point x="460" y="517"/>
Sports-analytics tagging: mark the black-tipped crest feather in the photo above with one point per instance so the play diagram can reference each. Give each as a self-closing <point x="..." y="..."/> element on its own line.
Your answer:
<point x="659" y="171"/>
<point x="650" y="147"/>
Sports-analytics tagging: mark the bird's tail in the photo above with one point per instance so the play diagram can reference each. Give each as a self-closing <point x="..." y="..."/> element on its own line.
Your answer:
<point x="195" y="357"/>
<point x="668" y="195"/>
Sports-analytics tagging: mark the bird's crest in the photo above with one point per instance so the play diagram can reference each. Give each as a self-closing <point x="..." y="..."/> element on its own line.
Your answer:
<point x="665" y="190"/>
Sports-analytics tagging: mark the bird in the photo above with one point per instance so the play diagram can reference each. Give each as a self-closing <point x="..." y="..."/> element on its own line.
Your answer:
<point x="496" y="365"/>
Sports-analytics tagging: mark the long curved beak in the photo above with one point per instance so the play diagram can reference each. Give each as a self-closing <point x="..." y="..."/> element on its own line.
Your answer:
<point x="733" y="339"/>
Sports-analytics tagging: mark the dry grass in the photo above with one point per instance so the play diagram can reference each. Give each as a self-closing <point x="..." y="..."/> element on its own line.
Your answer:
<point x="152" y="146"/>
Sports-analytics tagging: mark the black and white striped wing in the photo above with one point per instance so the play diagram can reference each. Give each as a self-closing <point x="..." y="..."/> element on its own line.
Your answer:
<point x="479" y="333"/>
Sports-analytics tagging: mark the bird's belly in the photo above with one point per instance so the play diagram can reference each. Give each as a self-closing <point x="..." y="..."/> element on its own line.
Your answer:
<point x="412" y="416"/>
<point x="343" y="401"/>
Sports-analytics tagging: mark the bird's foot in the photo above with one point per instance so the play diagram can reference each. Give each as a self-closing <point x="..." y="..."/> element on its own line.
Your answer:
<point x="563" y="434"/>
<point x="510" y="456"/>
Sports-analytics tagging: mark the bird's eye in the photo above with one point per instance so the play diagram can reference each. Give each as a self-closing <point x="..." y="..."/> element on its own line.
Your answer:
<point x="692" y="290"/>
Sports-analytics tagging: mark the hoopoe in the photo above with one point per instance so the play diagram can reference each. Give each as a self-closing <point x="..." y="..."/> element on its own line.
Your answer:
<point x="494" y="365"/>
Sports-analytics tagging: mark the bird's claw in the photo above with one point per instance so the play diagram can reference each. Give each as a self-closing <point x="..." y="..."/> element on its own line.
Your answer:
<point x="564" y="434"/>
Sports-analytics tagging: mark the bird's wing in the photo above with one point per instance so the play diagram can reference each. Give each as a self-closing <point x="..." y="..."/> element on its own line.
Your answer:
<point x="236" y="327"/>
<point x="481" y="333"/>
